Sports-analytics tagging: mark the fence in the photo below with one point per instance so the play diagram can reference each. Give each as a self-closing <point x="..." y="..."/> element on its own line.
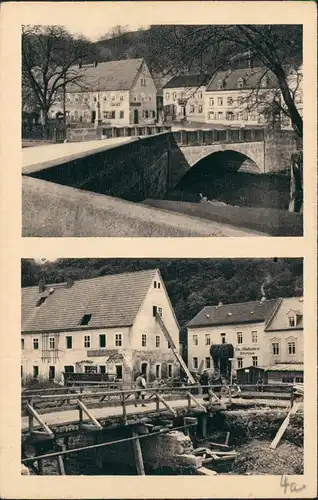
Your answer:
<point x="54" y="132"/>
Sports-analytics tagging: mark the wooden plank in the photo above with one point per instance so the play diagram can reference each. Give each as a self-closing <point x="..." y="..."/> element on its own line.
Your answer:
<point x="160" y="398"/>
<point x="83" y="408"/>
<point x="227" y="439"/>
<point x="203" y="471"/>
<point x="192" y="398"/>
<point x="283" y="427"/>
<point x="37" y="417"/>
<point x="219" y="445"/>
<point x="138" y="455"/>
<point x="173" y="348"/>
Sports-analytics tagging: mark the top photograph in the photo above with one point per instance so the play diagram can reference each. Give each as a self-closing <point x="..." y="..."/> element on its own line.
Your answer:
<point x="162" y="131"/>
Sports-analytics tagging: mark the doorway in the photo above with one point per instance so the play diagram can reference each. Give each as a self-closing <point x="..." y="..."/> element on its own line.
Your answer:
<point x="119" y="371"/>
<point x="144" y="370"/>
<point x="136" y="116"/>
<point x="52" y="372"/>
<point x="93" y="116"/>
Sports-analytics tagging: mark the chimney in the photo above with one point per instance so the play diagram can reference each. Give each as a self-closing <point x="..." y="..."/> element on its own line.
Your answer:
<point x="69" y="282"/>
<point x="41" y="285"/>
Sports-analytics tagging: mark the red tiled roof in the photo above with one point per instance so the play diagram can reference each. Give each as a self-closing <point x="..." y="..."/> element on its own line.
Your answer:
<point x="251" y="76"/>
<point x="243" y="312"/>
<point x="112" y="300"/>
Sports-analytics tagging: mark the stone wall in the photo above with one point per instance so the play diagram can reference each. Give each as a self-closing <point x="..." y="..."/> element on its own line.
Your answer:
<point x="278" y="148"/>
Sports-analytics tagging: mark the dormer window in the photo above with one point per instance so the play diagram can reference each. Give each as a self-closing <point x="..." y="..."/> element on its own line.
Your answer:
<point x="220" y="84"/>
<point x="85" y="319"/>
<point x="240" y="83"/>
<point x="292" y="321"/>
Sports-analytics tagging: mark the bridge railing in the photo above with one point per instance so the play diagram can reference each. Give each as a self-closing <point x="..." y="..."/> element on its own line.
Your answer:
<point x="217" y="136"/>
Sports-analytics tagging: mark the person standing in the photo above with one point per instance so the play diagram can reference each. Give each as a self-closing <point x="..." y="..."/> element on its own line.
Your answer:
<point x="141" y="386"/>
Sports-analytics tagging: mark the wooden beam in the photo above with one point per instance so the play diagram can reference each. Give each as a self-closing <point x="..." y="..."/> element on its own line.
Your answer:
<point x="83" y="408"/>
<point x="38" y="418"/>
<point x="213" y="395"/>
<point x="138" y="455"/>
<point x="160" y="398"/>
<point x="283" y="427"/>
<point x="192" y="398"/>
<point x="203" y="471"/>
<point x="227" y="439"/>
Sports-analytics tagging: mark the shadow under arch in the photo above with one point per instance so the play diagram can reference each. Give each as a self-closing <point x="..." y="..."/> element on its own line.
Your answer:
<point x="225" y="161"/>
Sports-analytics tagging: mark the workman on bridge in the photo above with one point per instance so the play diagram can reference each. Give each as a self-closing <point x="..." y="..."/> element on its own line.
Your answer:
<point x="141" y="385"/>
<point x="205" y="381"/>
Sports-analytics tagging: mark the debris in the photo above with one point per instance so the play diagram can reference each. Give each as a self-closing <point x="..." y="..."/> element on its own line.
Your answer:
<point x="283" y="427"/>
<point x="203" y="471"/>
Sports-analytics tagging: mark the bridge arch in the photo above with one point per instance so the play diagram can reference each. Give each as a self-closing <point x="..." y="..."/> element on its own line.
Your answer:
<point x="228" y="160"/>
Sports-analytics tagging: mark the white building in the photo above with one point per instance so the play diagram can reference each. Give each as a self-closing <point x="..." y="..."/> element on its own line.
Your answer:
<point x="113" y="93"/>
<point x="101" y="325"/>
<point x="240" y="97"/>
<point x="263" y="333"/>
<point x="183" y="97"/>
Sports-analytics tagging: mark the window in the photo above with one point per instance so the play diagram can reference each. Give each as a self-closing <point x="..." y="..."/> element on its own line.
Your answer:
<point x="223" y="338"/>
<point x="21" y="371"/>
<point x="105" y="98"/>
<point x="87" y="341"/>
<point x="102" y="340"/>
<point x="174" y="95"/>
<point x="69" y="369"/>
<point x="144" y="340"/>
<point x="220" y="115"/>
<point x="102" y="369"/>
<point x="113" y="98"/>
<point x="121" y="114"/>
<point x="229" y="101"/>
<point x="195" y="340"/>
<point x="169" y="345"/>
<point x="299" y="380"/>
<point x="240" y="362"/>
<point x="211" y="115"/>
<point x="207" y="339"/>
<point x="288" y="379"/>
<point x="158" y="340"/>
<point x="22" y="344"/>
<point x="292" y="321"/>
<point x="52" y="372"/>
<point x="149" y="98"/>
<point x="90" y="369"/>
<point x="121" y="98"/>
<point x="200" y="94"/>
<point x="157" y="309"/>
<point x="119" y="371"/>
<point x="51" y="342"/>
<point x="275" y="348"/>
<point x="167" y="95"/>
<point x="118" y="339"/>
<point x="208" y="362"/>
<point x="291" y="348"/>
<point x="158" y="371"/>
<point x="195" y="363"/>
<point x="239" y="101"/>
<point x="239" y="337"/>
<point x="85" y="319"/>
<point x="146" y="113"/>
<point x="211" y="101"/>
<point x="109" y="115"/>
<point x="254" y="360"/>
<point x="220" y="101"/>
<point x="68" y="341"/>
<point x="220" y="84"/>
<point x="35" y="371"/>
<point x="230" y="116"/>
<point x="158" y="284"/>
<point x="169" y="370"/>
<point x="254" y="337"/>
<point x="143" y="82"/>
<point x="240" y="83"/>
<point x="200" y="108"/>
<point x="191" y="109"/>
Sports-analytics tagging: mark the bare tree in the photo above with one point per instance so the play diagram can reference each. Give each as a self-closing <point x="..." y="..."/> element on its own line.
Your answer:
<point x="50" y="55"/>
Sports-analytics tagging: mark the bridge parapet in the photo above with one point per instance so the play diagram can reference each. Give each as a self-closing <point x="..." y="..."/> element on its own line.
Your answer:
<point x="203" y="137"/>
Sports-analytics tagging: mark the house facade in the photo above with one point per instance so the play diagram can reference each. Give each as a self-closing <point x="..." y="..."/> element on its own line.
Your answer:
<point x="242" y="325"/>
<point x="114" y="93"/>
<point x="101" y="325"/>
<point x="284" y="333"/>
<point x="240" y="97"/>
<point x="266" y="334"/>
<point x="183" y="98"/>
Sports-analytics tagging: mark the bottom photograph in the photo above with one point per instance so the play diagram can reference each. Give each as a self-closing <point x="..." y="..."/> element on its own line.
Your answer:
<point x="162" y="366"/>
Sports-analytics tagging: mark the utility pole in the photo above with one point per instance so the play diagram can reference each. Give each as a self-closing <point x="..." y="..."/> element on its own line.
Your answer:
<point x="64" y="101"/>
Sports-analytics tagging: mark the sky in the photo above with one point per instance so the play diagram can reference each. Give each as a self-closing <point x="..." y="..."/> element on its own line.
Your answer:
<point x="94" y="30"/>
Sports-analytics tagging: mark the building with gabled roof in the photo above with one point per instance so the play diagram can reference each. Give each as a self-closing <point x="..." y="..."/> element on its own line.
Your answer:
<point x="110" y="93"/>
<point x="183" y="97"/>
<point x="100" y="325"/>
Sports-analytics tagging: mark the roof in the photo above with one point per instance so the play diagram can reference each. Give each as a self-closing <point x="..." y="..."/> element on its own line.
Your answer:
<point x="279" y="320"/>
<point x="286" y="367"/>
<point x="242" y="312"/>
<point x="193" y="80"/>
<point x="252" y="78"/>
<point x="108" y="76"/>
<point x="113" y="301"/>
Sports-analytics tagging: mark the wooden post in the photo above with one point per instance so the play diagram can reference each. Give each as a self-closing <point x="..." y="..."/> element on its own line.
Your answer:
<point x="227" y="439"/>
<point x="30" y="401"/>
<point x="60" y="462"/>
<point x="157" y="401"/>
<point x="124" y="405"/>
<point x="204" y="426"/>
<point x="138" y="455"/>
